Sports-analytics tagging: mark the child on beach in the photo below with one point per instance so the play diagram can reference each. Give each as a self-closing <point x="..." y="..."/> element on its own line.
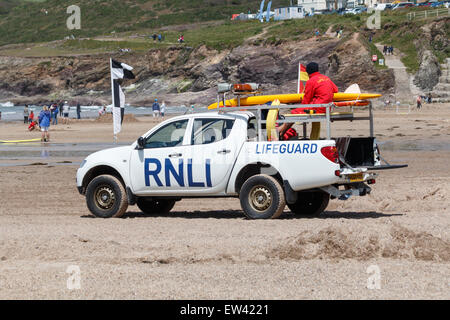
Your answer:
<point x="32" y="126"/>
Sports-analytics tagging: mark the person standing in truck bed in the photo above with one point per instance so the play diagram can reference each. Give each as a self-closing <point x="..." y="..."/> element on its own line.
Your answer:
<point x="319" y="89"/>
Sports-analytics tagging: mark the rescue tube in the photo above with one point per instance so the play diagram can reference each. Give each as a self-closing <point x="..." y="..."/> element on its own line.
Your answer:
<point x="20" y="141"/>
<point x="292" y="98"/>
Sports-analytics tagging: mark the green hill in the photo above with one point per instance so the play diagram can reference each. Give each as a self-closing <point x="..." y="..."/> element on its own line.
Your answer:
<point x="45" y="20"/>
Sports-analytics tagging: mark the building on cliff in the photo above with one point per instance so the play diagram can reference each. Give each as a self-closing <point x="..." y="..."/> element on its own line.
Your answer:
<point x="292" y="12"/>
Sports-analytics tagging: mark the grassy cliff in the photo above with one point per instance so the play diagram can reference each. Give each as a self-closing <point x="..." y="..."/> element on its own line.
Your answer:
<point x="45" y="20"/>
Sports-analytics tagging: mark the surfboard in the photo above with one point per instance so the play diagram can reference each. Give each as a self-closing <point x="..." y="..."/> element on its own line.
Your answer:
<point x="358" y="103"/>
<point x="292" y="98"/>
<point x="20" y="141"/>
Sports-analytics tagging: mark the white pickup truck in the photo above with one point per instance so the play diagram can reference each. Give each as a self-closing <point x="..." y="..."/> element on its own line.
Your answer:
<point x="215" y="154"/>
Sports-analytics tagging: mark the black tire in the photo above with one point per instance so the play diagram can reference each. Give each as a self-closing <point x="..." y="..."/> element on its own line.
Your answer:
<point x="310" y="203"/>
<point x="151" y="206"/>
<point x="106" y="197"/>
<point x="262" y="197"/>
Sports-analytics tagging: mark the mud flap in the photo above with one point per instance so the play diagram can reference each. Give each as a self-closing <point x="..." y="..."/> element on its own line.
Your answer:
<point x="289" y="194"/>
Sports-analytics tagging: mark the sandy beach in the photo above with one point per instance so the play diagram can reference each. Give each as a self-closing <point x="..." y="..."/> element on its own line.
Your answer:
<point x="206" y="249"/>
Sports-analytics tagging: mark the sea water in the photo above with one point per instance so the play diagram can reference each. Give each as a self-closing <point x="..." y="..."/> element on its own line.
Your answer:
<point x="10" y="112"/>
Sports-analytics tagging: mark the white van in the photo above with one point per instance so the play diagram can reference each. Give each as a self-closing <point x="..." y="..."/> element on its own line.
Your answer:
<point x="383" y="6"/>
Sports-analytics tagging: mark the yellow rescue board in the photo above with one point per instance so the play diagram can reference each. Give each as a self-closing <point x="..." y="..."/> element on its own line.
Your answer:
<point x="292" y="98"/>
<point x="19" y="141"/>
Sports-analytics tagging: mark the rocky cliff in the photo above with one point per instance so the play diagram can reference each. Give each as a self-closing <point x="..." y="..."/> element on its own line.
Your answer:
<point x="184" y="75"/>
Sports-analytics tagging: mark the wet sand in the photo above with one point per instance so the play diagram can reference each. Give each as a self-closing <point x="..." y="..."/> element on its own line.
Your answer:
<point x="205" y="249"/>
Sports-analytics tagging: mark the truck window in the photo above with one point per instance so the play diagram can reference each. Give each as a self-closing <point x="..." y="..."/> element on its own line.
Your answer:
<point x="252" y="131"/>
<point x="207" y="131"/>
<point x="171" y="135"/>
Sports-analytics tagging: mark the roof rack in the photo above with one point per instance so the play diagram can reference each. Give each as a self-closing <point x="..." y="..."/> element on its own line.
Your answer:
<point x="328" y="117"/>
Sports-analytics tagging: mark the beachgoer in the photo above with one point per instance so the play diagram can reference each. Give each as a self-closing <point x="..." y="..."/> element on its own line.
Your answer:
<point x="60" y="106"/>
<point x="78" y="111"/>
<point x="55" y="115"/>
<point x="419" y="101"/>
<point x="430" y="99"/>
<point x="44" y="123"/>
<point x="102" y="111"/>
<point x="319" y="89"/>
<point x="156" y="109"/>
<point x="26" y="114"/>
<point x="33" y="125"/>
<point x="163" y="109"/>
<point x="159" y="37"/>
<point x="154" y="36"/>
<point x="66" y="110"/>
<point x="31" y="117"/>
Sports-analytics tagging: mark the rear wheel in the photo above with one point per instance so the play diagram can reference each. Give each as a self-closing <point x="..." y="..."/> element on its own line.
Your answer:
<point x="150" y="206"/>
<point x="262" y="197"/>
<point x="310" y="203"/>
<point x="106" y="197"/>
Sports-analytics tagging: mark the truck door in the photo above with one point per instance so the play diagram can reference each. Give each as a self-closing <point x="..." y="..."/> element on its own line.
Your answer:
<point x="160" y="167"/>
<point x="214" y="149"/>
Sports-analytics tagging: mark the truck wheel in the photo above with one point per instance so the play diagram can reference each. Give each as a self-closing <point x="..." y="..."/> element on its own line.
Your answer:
<point x="310" y="203"/>
<point x="106" y="197"/>
<point x="155" y="206"/>
<point x="262" y="197"/>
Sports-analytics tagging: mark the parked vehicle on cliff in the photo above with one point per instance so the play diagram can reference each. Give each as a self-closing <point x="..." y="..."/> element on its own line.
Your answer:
<point x="228" y="153"/>
<point x="402" y="5"/>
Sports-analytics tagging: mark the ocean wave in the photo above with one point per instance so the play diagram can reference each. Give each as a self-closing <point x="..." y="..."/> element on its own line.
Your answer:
<point x="7" y="104"/>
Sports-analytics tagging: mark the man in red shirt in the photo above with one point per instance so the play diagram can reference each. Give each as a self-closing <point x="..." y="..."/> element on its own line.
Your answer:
<point x="319" y="89"/>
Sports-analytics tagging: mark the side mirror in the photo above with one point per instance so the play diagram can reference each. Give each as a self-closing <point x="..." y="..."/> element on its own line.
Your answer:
<point x="140" y="143"/>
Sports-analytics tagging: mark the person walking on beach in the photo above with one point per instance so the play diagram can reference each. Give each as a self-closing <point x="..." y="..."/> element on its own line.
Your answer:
<point x="156" y="109"/>
<point x="44" y="123"/>
<point x="163" y="109"/>
<point x="55" y="115"/>
<point x="66" y="110"/>
<point x="60" y="106"/>
<point x="31" y="117"/>
<point x="419" y="101"/>
<point x="26" y="113"/>
<point x="78" y="111"/>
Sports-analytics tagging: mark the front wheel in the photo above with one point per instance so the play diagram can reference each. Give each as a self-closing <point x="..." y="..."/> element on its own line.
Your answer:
<point x="150" y="206"/>
<point x="262" y="197"/>
<point x="310" y="203"/>
<point x="106" y="197"/>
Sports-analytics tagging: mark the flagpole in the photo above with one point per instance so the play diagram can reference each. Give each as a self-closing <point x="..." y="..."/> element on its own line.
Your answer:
<point x="112" y="95"/>
<point x="299" y="72"/>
